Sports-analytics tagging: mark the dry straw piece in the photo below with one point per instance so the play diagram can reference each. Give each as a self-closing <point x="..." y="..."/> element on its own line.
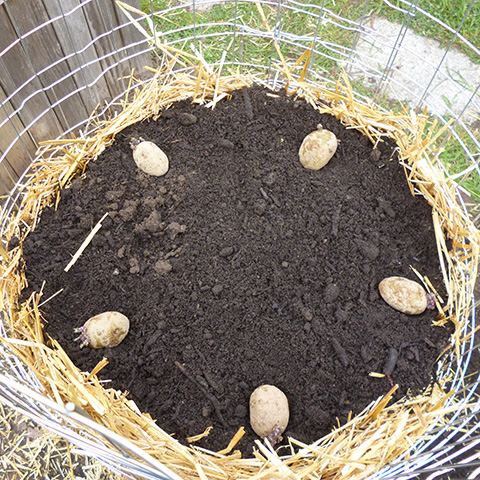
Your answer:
<point x="369" y="440"/>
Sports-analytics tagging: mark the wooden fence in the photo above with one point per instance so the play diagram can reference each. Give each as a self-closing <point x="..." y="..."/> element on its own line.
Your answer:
<point x="59" y="59"/>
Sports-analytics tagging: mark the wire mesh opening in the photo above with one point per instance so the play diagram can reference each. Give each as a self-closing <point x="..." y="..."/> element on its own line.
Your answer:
<point x="396" y="54"/>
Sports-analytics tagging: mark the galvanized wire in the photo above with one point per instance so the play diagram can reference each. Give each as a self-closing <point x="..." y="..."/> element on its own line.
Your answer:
<point x="450" y="446"/>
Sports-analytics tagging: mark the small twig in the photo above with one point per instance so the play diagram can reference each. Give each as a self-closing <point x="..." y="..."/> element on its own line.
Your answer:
<point x="210" y="398"/>
<point x="50" y="297"/>
<point x="208" y="375"/>
<point x="248" y="104"/>
<point x="85" y="243"/>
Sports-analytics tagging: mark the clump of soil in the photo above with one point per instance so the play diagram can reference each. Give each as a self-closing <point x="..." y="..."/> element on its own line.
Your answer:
<point x="240" y="268"/>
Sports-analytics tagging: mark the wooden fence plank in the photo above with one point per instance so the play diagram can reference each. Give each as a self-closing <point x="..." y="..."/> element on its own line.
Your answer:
<point x="131" y="35"/>
<point x="104" y="17"/>
<point x="74" y="35"/>
<point x="17" y="73"/>
<point x="45" y="54"/>
<point x="47" y="92"/>
<point x="12" y="128"/>
<point x="21" y="147"/>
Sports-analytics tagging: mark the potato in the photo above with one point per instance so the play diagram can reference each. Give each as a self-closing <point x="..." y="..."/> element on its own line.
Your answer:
<point x="269" y="412"/>
<point x="317" y="148"/>
<point x="149" y="157"/>
<point x="404" y="295"/>
<point x="106" y="329"/>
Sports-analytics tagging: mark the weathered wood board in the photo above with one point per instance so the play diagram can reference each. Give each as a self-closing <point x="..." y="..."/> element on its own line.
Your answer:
<point x="58" y="63"/>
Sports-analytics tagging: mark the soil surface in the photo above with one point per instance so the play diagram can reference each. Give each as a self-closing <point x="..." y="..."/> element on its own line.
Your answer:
<point x="240" y="268"/>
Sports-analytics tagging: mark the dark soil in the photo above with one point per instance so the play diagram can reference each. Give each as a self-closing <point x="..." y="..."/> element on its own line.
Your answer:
<point x="244" y="268"/>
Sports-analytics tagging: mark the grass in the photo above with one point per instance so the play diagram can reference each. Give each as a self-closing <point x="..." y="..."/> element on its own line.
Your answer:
<point x="321" y="18"/>
<point x="235" y="19"/>
<point x="225" y="27"/>
<point x="449" y="12"/>
<point x="457" y="162"/>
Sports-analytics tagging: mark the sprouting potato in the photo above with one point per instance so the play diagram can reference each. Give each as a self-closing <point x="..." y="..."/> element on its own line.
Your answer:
<point x="317" y="148"/>
<point x="149" y="157"/>
<point x="269" y="413"/>
<point x="106" y="329"/>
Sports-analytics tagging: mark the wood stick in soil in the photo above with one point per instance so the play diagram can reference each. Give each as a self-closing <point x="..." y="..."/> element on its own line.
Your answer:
<point x="85" y="243"/>
<point x="248" y="104"/>
<point x="211" y="398"/>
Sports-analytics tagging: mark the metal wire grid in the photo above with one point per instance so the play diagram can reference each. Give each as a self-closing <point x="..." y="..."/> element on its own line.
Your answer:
<point x="22" y="391"/>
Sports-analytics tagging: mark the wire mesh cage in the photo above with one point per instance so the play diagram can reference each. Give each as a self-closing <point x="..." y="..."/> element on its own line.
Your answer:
<point x="67" y="59"/>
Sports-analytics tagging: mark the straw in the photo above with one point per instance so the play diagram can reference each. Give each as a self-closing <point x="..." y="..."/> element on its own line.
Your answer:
<point x="85" y="243"/>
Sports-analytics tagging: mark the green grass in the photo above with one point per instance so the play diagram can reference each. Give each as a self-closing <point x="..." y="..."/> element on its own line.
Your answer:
<point x="258" y="50"/>
<point x="453" y="156"/>
<point x="457" y="162"/>
<point x="252" y="50"/>
<point x="450" y="12"/>
<point x="231" y="18"/>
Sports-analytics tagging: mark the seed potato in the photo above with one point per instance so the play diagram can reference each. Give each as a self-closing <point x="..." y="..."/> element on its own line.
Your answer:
<point x="149" y="158"/>
<point x="269" y="412"/>
<point x="317" y="149"/>
<point x="404" y="295"/>
<point x="107" y="329"/>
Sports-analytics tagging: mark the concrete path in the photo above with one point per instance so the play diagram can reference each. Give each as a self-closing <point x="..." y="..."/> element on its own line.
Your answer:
<point x="420" y="62"/>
